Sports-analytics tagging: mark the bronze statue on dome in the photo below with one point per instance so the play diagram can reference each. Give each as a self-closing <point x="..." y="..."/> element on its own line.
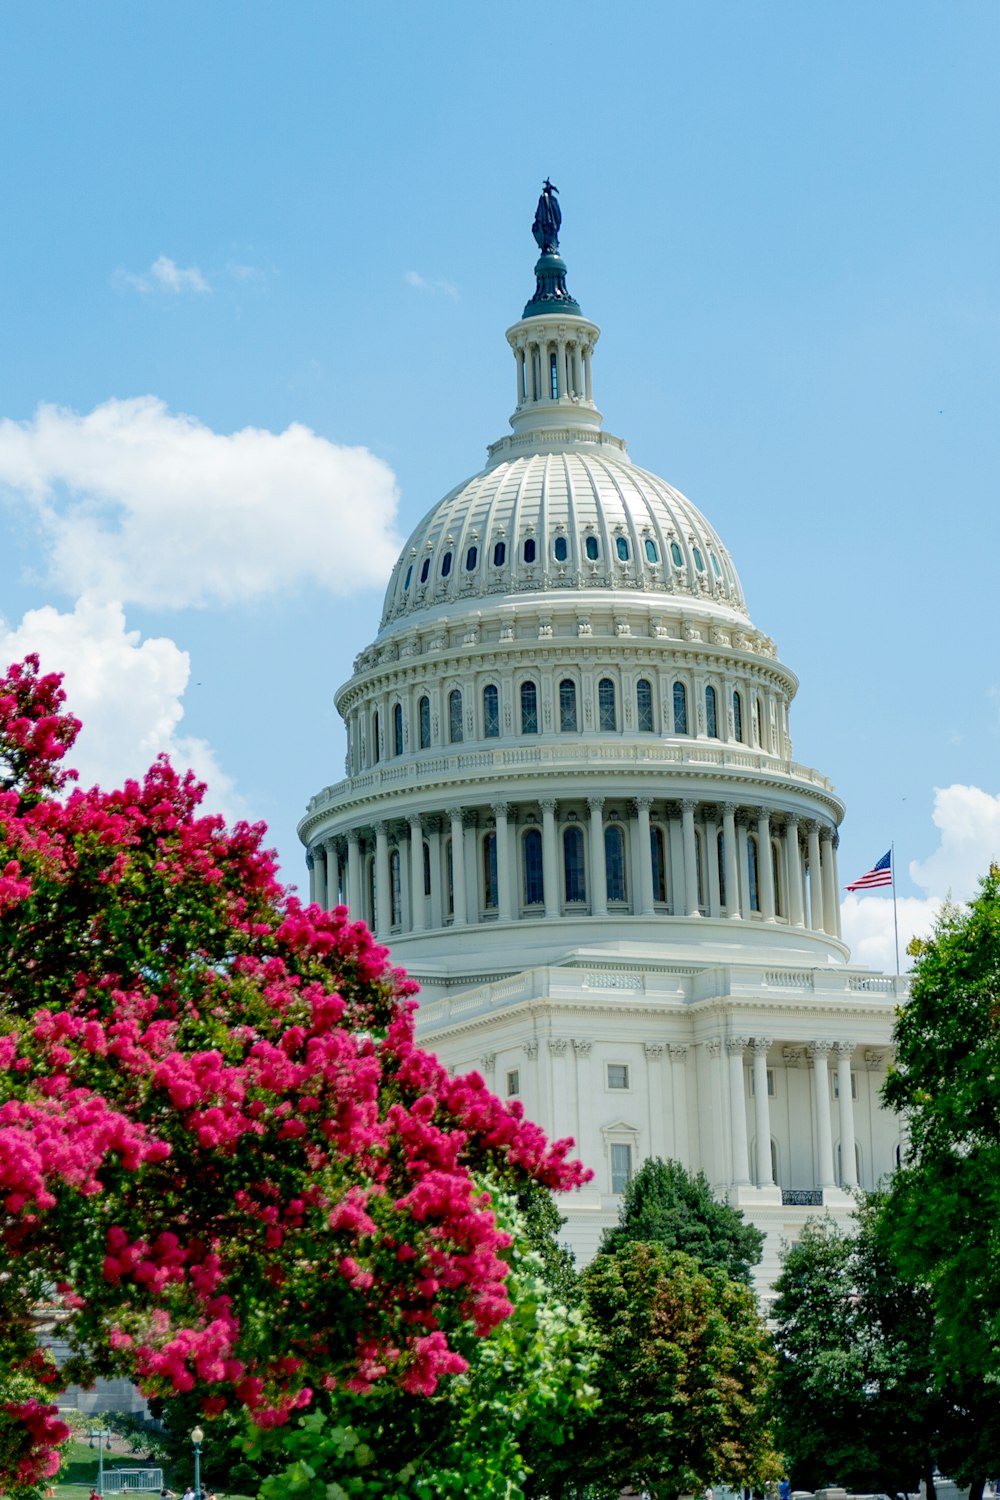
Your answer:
<point x="547" y="220"/>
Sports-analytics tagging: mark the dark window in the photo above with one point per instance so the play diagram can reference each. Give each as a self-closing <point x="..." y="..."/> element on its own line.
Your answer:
<point x="752" y="872"/>
<point x="778" y="911"/>
<point x="491" y="712"/>
<point x="499" y="554"/>
<point x="534" y="889"/>
<point x="395" y="889"/>
<point x="424" y="715"/>
<point x="553" y="376"/>
<point x="676" y="555"/>
<point x="621" y="1166"/>
<point x="409" y="575"/>
<point x="614" y="862"/>
<point x="617" y="1075"/>
<point x="561" y="549"/>
<point x="658" y="863"/>
<point x="720" y="854"/>
<point x="699" y="868"/>
<point x="711" y="714"/>
<point x="606" y="704"/>
<point x="397" y="729"/>
<point x="471" y="558"/>
<point x="644" y="705"/>
<point x="425" y="570"/>
<point x="529" y="550"/>
<point x="446" y="565"/>
<point x="427" y="868"/>
<point x="651" y="553"/>
<point x="376" y="747"/>
<point x="715" y="565"/>
<point x="738" y="717"/>
<point x="455" y="717"/>
<point x="529" y="708"/>
<point x="567" y="705"/>
<point x="621" y="547"/>
<point x="680" y="708"/>
<point x="699" y="561"/>
<point x="591" y="549"/>
<point x="449" y="872"/>
<point x="576" y="884"/>
<point x="490" y="885"/>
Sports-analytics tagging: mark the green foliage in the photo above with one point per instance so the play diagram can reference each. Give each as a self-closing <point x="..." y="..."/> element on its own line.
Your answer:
<point x="685" y="1362"/>
<point x="540" y="1226"/>
<point x="669" y="1206"/>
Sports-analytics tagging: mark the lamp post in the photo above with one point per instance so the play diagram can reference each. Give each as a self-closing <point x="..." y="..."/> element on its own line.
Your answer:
<point x="197" y="1438"/>
<point x="103" y="1437"/>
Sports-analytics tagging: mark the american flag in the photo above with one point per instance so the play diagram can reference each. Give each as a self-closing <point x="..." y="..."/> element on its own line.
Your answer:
<point x="880" y="874"/>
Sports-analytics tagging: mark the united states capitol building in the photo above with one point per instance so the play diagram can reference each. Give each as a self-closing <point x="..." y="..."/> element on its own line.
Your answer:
<point x="571" y="808"/>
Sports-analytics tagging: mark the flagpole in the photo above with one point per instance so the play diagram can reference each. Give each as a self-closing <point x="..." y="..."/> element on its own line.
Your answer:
<point x="895" y="918"/>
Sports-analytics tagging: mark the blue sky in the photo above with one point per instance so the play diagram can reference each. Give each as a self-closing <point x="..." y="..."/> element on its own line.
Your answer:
<point x="308" y="226"/>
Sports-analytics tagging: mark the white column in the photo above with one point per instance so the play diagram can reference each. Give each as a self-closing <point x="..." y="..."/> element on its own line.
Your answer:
<point x="521" y="382"/>
<point x="678" y="1079"/>
<point x="765" y="865"/>
<point x="647" y="904"/>
<point x="354" y="894"/>
<point x="793" y="859"/>
<point x="550" y="857"/>
<point x="741" y="846"/>
<point x="821" y="1092"/>
<point x="332" y="873"/>
<point x="738" y="1109"/>
<point x="848" y="1159"/>
<point x="831" y="902"/>
<point x="461" y="916"/>
<point x="815" y="881"/>
<point x="434" y="845"/>
<point x="732" y="866"/>
<point x="500" y="811"/>
<point x="690" y="858"/>
<point x="598" y="870"/>
<point x="762" y="1111"/>
<point x="835" y="875"/>
<point x="417" y="899"/>
<point x="312" y="865"/>
<point x="712" y="867"/>
<point x="587" y="374"/>
<point x="383" y="897"/>
<point x="473" y="851"/>
<point x="657" y="1111"/>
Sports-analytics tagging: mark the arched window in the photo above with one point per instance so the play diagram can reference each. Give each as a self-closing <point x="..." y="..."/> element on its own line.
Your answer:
<point x="711" y="714"/>
<point x="424" y="717"/>
<point x="427" y="868"/>
<point x="455" y="717"/>
<point x="699" y="561"/>
<point x="491" y="712"/>
<point x="499" y="554"/>
<point x="449" y="877"/>
<point x="576" y="880"/>
<point x="614" y="862"/>
<point x="529" y="708"/>
<point x="409" y="575"/>
<point x="397" y="729"/>
<point x="471" y="558"/>
<point x="534" y="886"/>
<point x="651" y="553"/>
<point x="607" y="712"/>
<point x="621" y="547"/>
<point x="738" y="717"/>
<point x="490" y="884"/>
<point x="425" y="570"/>
<point x="529" y="550"/>
<point x="376" y="737"/>
<point x="659" y="863"/>
<point x="680" y="708"/>
<point x="567" y="706"/>
<point x="446" y="565"/>
<point x="720" y="855"/>
<point x="370" y="892"/>
<point x="779" y="905"/>
<point x="591" y="548"/>
<point x="395" y="889"/>
<point x="699" y="867"/>
<point x="676" y="555"/>
<point x="644" y="705"/>
<point x="753" y="883"/>
<point x="561" y="549"/>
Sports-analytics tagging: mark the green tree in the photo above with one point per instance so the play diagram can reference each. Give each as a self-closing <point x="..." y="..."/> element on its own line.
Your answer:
<point x="684" y="1366"/>
<point x="667" y="1205"/>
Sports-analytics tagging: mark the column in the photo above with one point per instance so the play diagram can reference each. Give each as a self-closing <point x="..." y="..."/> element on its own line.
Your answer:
<point x="848" y="1158"/>
<point x="793" y="860"/>
<point x="741" y="854"/>
<point x="732" y="867"/>
<point x="815" y="881"/>
<point x="765" y="865"/>
<point x="585" y="1090"/>
<point x="311" y="863"/>
<point x="500" y="811"/>
<point x="657" y="1114"/>
<point x="831" y="904"/>
<point x="678" y="1078"/>
<point x="738" y="1109"/>
<point x="417" y="913"/>
<point x="461" y="916"/>
<point x="835" y="876"/>
<point x="470" y="830"/>
<point x="712" y="867"/>
<point x="821" y="1094"/>
<point x="354" y="898"/>
<point x="762" y="1111"/>
<point x="521" y="382"/>
<point x="690" y="857"/>
<point x="587" y="374"/>
<point x="598" y="871"/>
<point x="550" y="857"/>
<point x="434" y="844"/>
<point x="332" y="874"/>
<point x="383" y="898"/>
<point x="645" y="871"/>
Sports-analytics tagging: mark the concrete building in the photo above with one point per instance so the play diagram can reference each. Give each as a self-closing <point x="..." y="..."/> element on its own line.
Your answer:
<point x="572" y="810"/>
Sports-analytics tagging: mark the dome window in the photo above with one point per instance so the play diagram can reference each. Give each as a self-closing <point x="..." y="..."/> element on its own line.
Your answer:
<point x="658" y="860"/>
<point x="455" y="717"/>
<point x="591" y="549"/>
<point x="491" y="885"/>
<point x="614" y="863"/>
<point x="529" y="708"/>
<point x="716" y="569"/>
<point x="644" y="705"/>
<point x="699" y="561"/>
<point x="652" y="555"/>
<point x="529" y="550"/>
<point x="424" y="722"/>
<point x="711" y="714"/>
<point x="676" y="555"/>
<point x="561" y="549"/>
<point x="376" y="740"/>
<point x="607" y="712"/>
<point x="499" y="554"/>
<point x="397" y="729"/>
<point x="573" y="866"/>
<point x="491" y="712"/>
<point x="738" y="717"/>
<point x="409" y="575"/>
<point x="621" y="547"/>
<point x="446" y="565"/>
<point x="680" y="708"/>
<point x="471" y="558"/>
<point x="425" y="570"/>
<point x="567" y="706"/>
<point x="534" y="884"/>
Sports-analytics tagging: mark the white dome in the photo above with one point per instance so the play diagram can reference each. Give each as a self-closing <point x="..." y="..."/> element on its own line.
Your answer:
<point x="574" y="513"/>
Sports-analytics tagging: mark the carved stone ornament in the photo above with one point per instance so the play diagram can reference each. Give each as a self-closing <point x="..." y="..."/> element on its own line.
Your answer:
<point x="736" y="1045"/>
<point x="557" y="1045"/>
<point x="653" y="1050"/>
<point x="713" y="1048"/>
<point x="820" y="1049"/>
<point x="531" y="1050"/>
<point x="582" y="1047"/>
<point x="792" y="1056"/>
<point x="678" y="1052"/>
<point x="488" y="1062"/>
<point x="761" y="1044"/>
<point x="844" y="1049"/>
<point x="873" y="1059"/>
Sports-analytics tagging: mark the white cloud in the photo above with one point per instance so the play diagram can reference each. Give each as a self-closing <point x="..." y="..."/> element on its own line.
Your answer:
<point x="127" y="692"/>
<point x="431" y="284"/>
<point x="968" y="822"/>
<point x="140" y="504"/>
<point x="164" y="275"/>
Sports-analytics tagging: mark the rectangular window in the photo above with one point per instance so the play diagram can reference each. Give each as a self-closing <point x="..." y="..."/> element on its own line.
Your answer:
<point x="836" y="1085"/>
<point x="617" y="1076"/>
<point x="513" y="1083"/>
<point x="621" y="1168"/>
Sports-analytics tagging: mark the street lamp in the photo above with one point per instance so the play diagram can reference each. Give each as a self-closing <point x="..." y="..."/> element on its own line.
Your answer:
<point x="197" y="1438"/>
<point x="103" y="1437"/>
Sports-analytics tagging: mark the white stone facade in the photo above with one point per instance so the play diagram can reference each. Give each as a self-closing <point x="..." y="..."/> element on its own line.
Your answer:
<point x="571" y="809"/>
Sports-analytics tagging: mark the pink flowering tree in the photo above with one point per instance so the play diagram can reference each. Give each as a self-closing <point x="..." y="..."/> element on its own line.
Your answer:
<point x="225" y="1166"/>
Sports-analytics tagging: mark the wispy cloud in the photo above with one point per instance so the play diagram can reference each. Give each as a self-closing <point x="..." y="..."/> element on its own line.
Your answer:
<point x="437" y="286"/>
<point x="164" y="275"/>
